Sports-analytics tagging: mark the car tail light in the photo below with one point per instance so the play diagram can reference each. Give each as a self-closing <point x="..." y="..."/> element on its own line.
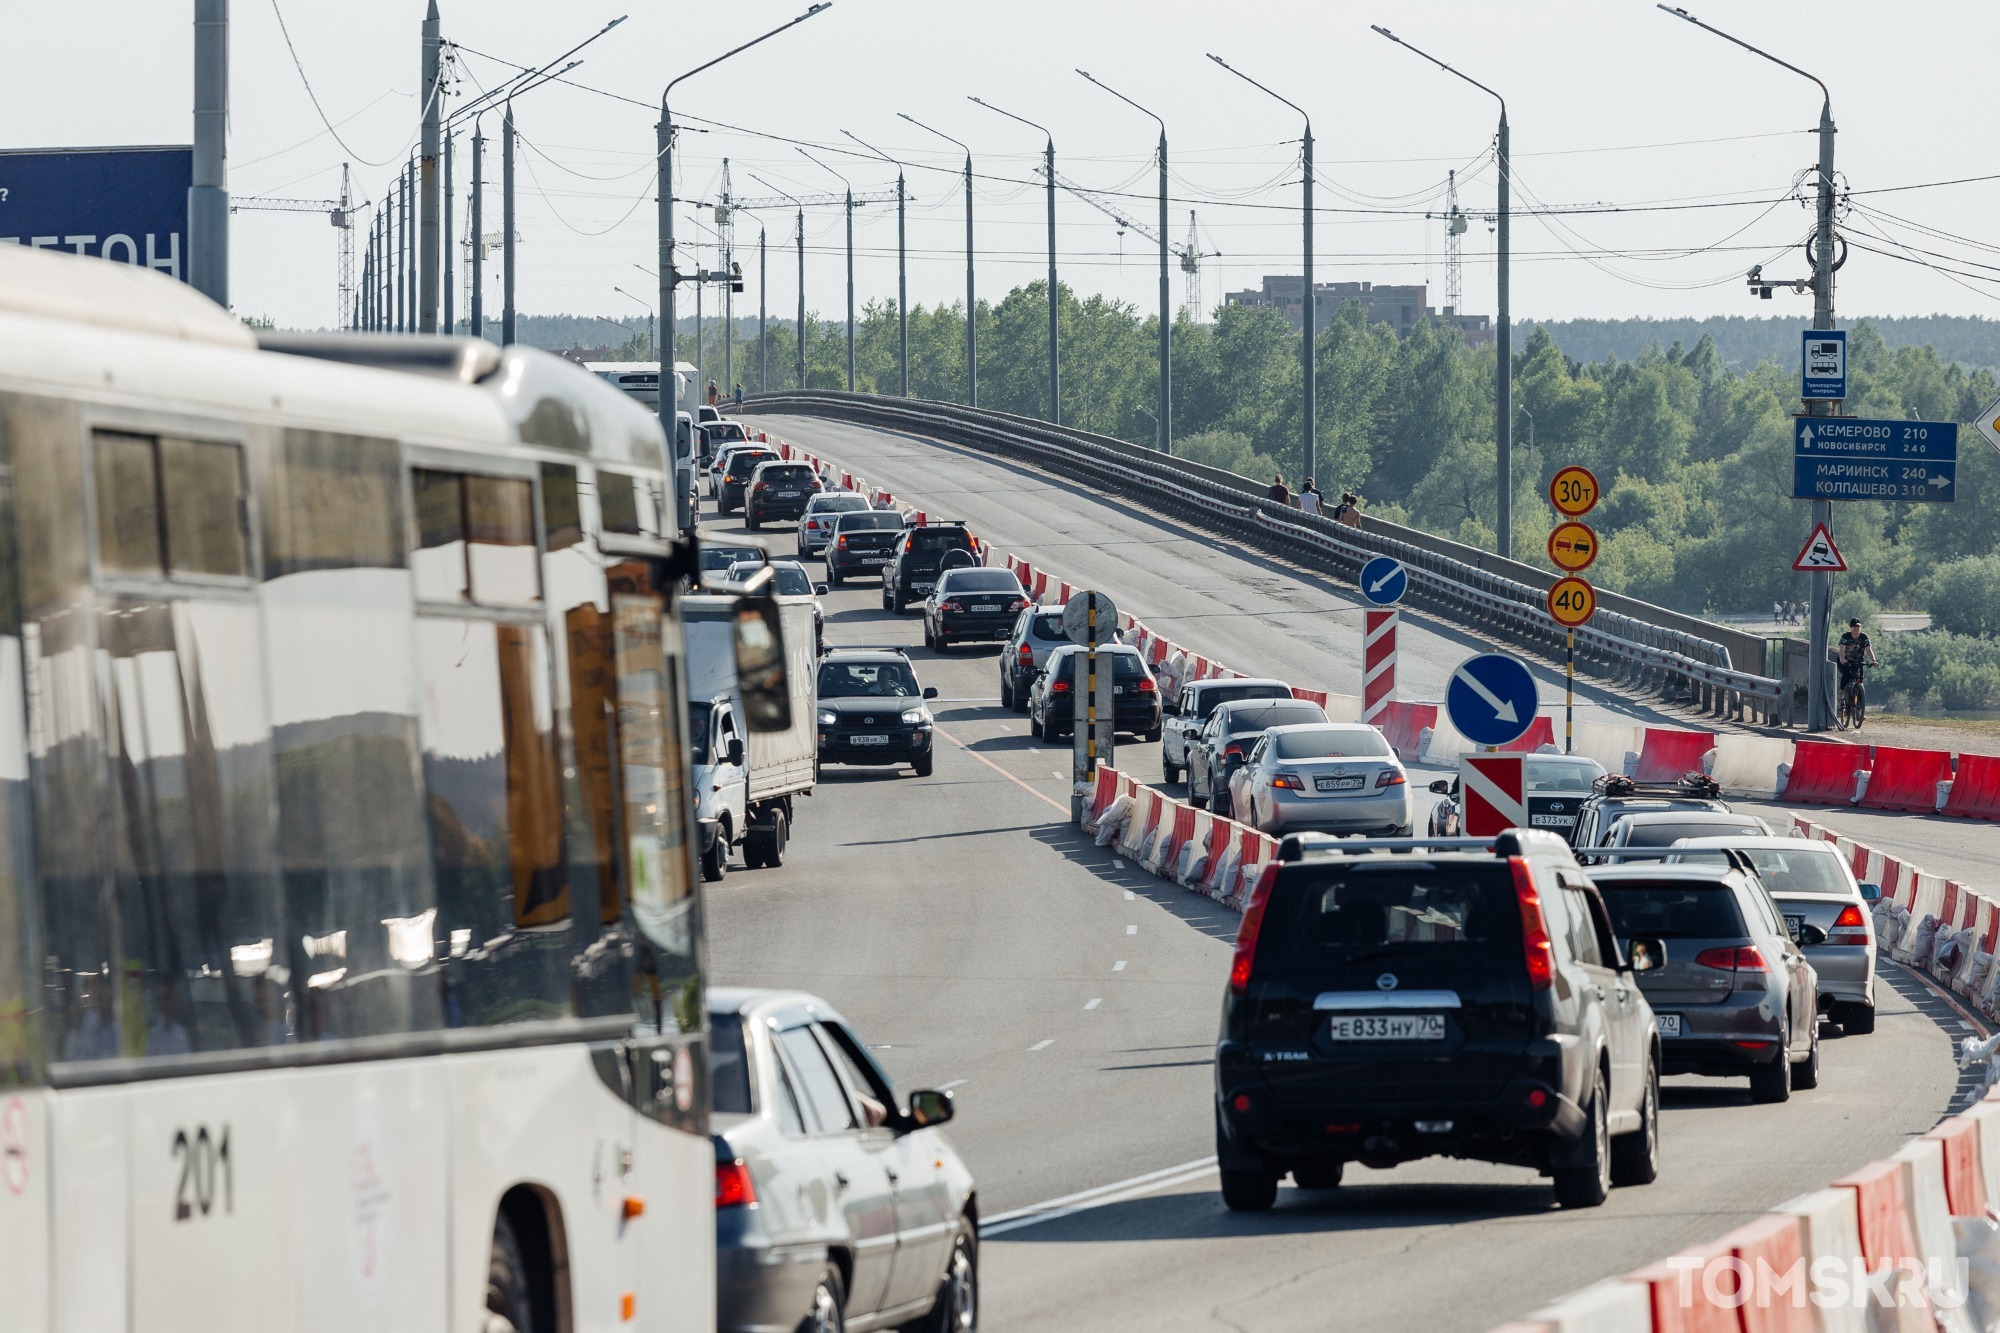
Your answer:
<point x="761" y="486"/>
<point x="842" y="543"/>
<point x="1146" y="685"/>
<point x="1246" y="934"/>
<point x="951" y="606"/>
<point x="1018" y="604"/>
<point x="1743" y="958"/>
<point x="1534" y="927"/>
<point x="733" y="1186"/>
<point x="1850" y="927"/>
<point x="1288" y="781"/>
<point x="1232" y="751"/>
<point x="1026" y="654"/>
<point x="1390" y="777"/>
<point x="1058" y="687"/>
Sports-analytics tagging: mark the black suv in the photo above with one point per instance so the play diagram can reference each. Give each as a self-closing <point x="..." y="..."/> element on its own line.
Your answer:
<point x="872" y="711"/>
<point x="1613" y="796"/>
<point x="779" y="490"/>
<point x="919" y="558"/>
<point x="862" y="542"/>
<point x="1463" y="998"/>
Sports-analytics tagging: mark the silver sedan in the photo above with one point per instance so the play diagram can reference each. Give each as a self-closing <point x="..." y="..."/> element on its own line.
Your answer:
<point x="1326" y="777"/>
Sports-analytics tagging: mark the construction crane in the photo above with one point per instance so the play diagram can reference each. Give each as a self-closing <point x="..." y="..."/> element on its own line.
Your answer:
<point x="1190" y="254"/>
<point x="1455" y="226"/>
<point x="340" y="211"/>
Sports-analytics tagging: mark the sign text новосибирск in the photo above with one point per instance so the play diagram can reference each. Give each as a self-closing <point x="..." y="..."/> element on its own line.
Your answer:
<point x="1851" y="458"/>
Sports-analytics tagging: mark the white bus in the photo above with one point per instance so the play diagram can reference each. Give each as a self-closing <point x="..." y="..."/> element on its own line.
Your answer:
<point x="350" y="938"/>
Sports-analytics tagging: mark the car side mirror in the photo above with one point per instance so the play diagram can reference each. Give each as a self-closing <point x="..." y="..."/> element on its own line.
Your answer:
<point x="930" y="692"/>
<point x="1442" y="786"/>
<point x="930" y="1108"/>
<point x="821" y="590"/>
<point x="760" y="664"/>
<point x="1871" y="893"/>
<point x="736" y="751"/>
<point x="1645" y="953"/>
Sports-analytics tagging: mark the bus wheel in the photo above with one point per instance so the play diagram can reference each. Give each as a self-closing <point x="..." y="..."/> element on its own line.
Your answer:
<point x="509" y="1302"/>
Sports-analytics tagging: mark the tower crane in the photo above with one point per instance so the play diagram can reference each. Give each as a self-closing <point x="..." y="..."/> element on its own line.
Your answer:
<point x="1456" y="224"/>
<point x="340" y="211"/>
<point x="1190" y="254"/>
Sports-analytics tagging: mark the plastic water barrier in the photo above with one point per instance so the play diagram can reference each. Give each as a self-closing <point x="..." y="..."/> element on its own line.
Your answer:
<point x="1823" y="773"/>
<point x="1903" y="779"/>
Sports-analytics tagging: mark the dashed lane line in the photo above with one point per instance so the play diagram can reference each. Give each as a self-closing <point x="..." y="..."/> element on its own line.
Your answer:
<point x="1153" y="1182"/>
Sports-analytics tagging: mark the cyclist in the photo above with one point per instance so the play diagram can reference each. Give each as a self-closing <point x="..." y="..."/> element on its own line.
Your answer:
<point x="1854" y="653"/>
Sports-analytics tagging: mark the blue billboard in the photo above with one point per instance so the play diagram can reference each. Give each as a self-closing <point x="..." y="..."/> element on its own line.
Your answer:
<point x="128" y="205"/>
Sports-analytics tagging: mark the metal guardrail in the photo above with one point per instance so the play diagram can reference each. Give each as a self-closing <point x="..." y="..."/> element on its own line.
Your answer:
<point x="1676" y="665"/>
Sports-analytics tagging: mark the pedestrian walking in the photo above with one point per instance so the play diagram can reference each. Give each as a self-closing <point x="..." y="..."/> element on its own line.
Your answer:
<point x="1309" y="497"/>
<point x="739" y="398"/>
<point x="1348" y="511"/>
<point x="1279" y="492"/>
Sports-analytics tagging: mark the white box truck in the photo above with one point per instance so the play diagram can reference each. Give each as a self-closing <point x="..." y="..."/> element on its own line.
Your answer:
<point x="745" y="781"/>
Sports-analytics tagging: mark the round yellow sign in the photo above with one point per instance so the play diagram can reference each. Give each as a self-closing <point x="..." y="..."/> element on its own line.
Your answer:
<point x="1572" y="546"/>
<point x="1574" y="491"/>
<point x="1572" y="601"/>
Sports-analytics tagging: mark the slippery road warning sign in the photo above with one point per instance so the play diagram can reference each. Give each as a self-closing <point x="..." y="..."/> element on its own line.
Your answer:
<point x="1494" y="793"/>
<point x="1820" y="555"/>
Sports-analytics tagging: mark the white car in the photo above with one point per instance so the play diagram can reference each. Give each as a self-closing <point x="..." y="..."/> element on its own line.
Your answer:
<point x="816" y="526"/>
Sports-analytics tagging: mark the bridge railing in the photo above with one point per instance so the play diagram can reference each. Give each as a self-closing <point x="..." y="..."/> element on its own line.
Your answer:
<point x="1642" y="647"/>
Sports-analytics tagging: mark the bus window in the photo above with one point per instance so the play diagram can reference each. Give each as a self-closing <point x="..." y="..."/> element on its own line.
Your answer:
<point x="562" y="516"/>
<point x="333" y="502"/>
<point x="168" y="507"/>
<point x="475" y="539"/>
<point x="618" y="502"/>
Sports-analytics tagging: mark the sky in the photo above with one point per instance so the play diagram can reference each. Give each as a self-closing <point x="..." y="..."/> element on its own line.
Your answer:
<point x="1681" y="151"/>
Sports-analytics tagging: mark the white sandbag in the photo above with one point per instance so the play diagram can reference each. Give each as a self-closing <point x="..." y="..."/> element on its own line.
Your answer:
<point x="1924" y="946"/>
<point x="1113" y="820"/>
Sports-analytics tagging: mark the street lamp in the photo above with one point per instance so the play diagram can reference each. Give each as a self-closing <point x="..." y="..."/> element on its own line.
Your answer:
<point x="1049" y="168"/>
<point x="971" y="309"/>
<point x="800" y="329"/>
<point x="650" y="336"/>
<point x="850" y="259"/>
<point x="669" y="278"/>
<point x="1503" y="332"/>
<point x="1819" y="702"/>
<point x="1310" y="352"/>
<point x="1162" y="420"/>
<point x="902" y="267"/>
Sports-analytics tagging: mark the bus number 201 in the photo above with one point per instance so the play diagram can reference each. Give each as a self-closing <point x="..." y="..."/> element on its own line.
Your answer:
<point x="206" y="1177"/>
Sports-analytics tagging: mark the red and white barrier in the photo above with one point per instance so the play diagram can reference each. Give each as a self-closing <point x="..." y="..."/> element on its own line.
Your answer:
<point x="1378" y="663"/>
<point x="1901" y="779"/>
<point x="1666" y="754"/>
<point x="1824" y="773"/>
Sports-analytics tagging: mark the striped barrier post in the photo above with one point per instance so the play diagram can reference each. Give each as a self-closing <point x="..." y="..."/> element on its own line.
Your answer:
<point x="1378" y="663"/>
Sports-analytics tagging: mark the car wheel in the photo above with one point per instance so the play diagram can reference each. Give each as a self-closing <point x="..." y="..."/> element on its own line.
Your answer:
<point x="1197" y="799"/>
<point x="1020" y="700"/>
<point x="1805" y="1074"/>
<point x="1857" y="1019"/>
<point x="1006" y="692"/>
<point x="715" y="860"/>
<point x="1586" y="1184"/>
<point x="753" y="850"/>
<point x="1153" y="735"/>
<point x="1035" y="727"/>
<point x="780" y="838"/>
<point x="930" y="639"/>
<point x="885" y="595"/>
<point x="510" y="1306"/>
<point x="923" y="764"/>
<point x="1249" y="1191"/>
<point x="956" y="1307"/>
<point x="1635" y="1157"/>
<point x="1168" y="772"/>
<point x="750" y="519"/>
<point x="1772" y="1082"/>
<point x="832" y="577"/>
<point x="1317" y="1175"/>
<point x="828" y="1313"/>
<point x="1222" y="804"/>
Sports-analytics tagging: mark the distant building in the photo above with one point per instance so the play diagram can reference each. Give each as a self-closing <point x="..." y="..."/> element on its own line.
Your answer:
<point x="1401" y="306"/>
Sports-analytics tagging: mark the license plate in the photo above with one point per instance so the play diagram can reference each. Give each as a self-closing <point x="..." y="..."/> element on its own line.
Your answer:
<point x="874" y="559"/>
<point x="1795" y="924"/>
<point x="786" y="495"/>
<point x="922" y="587"/>
<point x="1552" y="821"/>
<point x="1337" y="784"/>
<point x="868" y="740"/>
<point x="1670" y="1024"/>
<point x="1386" y="1027"/>
<point x="985" y="610"/>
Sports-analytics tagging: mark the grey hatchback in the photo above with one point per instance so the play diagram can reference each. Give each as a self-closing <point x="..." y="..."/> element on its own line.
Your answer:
<point x="1732" y="990"/>
<point x="836" y="1206"/>
<point x="1037" y="632"/>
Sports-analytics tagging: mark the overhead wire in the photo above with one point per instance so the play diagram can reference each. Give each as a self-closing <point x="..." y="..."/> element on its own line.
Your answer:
<point x="299" y="65"/>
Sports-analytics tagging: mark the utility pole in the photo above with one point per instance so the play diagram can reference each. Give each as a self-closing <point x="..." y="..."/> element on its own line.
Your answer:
<point x="433" y="94"/>
<point x="902" y="268"/>
<point x="476" y="310"/>
<point x="763" y="343"/>
<point x="208" y="193"/>
<point x="399" y="229"/>
<point x="411" y="258"/>
<point x="971" y="299"/>
<point x="850" y="289"/>
<point x="1163" y="436"/>
<point x="725" y="221"/>
<point x="507" y="228"/>
<point x="450" y="323"/>
<point x="1049" y="169"/>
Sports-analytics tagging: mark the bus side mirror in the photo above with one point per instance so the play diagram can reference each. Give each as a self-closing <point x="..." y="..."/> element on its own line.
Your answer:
<point x="760" y="665"/>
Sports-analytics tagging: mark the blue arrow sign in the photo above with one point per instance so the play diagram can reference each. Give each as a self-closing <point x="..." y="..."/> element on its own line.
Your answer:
<point x="1845" y="477"/>
<point x="1491" y="699"/>
<point x="1384" y="580"/>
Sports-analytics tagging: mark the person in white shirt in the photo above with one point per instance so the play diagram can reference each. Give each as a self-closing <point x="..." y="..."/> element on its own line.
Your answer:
<point x="1309" y="497"/>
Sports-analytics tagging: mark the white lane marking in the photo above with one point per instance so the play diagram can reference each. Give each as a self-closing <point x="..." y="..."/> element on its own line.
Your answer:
<point x="1121" y="1191"/>
<point x="1131" y="930"/>
<point x="1119" y="861"/>
<point x="947" y="1087"/>
<point x="1054" y="774"/>
<point x="1093" y="1004"/>
<point x="1118" y="966"/>
<point x="1967" y="1026"/>
<point x="1043" y="1044"/>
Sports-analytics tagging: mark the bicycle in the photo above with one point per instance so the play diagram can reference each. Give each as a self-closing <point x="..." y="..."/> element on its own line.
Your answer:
<point x="1853" y="704"/>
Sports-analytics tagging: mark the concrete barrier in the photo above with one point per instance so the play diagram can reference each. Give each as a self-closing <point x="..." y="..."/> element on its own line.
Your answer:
<point x="1681" y="1301"/>
<point x="1965" y="1191"/>
<point x="1924" y="1199"/>
<point x="1403" y="725"/>
<point x="1831" y="1230"/>
<point x="1748" y="765"/>
<point x="1773" y="1244"/>
<point x="1540" y="732"/>
<point x="1882" y="1208"/>
<point x="1608" y="1307"/>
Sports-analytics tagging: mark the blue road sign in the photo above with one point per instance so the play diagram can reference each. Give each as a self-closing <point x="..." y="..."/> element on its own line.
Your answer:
<point x="1491" y="699"/>
<point x="1384" y="580"/>
<point x="128" y="205"/>
<point x="1851" y="458"/>
<point x="1823" y="364"/>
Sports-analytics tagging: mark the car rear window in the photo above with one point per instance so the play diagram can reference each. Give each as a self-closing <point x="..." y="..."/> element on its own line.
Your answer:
<point x="722" y="557"/>
<point x="1263" y="718"/>
<point x="1048" y="625"/>
<point x="872" y="521"/>
<point x="743" y="464"/>
<point x="837" y="504"/>
<point x="1332" y="743"/>
<point x="1664" y="834"/>
<point x="981" y="580"/>
<point x="788" y="578"/>
<point x="1124" y="666"/>
<point x="933" y="540"/>
<point x="728" y="1066"/>
<point x="1799" y="871"/>
<point x="1671" y="909"/>
<point x="727" y="430"/>
<point x="1320" y="924"/>
<point x="1210" y="699"/>
<point x="790" y="474"/>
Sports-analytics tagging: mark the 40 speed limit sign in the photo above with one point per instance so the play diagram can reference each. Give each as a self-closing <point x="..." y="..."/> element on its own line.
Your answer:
<point x="1572" y="601"/>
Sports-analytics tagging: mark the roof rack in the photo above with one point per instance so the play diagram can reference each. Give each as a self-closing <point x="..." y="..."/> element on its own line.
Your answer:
<point x="1737" y="858"/>
<point x="833" y="648"/>
<point x="1513" y="842"/>
<point x="1688" y="784"/>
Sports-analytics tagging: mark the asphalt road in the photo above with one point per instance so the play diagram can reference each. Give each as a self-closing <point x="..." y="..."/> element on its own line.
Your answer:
<point x="1264" y="616"/>
<point x="1070" y="1003"/>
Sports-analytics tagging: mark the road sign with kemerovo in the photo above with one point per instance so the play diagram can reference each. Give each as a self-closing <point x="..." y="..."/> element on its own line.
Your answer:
<point x="1852" y="458"/>
<point x="1492" y="698"/>
<point x="1384" y="580"/>
<point x="1823" y="364"/>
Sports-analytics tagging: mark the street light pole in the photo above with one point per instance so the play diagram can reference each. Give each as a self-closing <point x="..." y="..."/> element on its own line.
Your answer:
<point x="1163" y="417"/>
<point x="476" y="314"/>
<point x="850" y="259"/>
<point x="208" y="191"/>
<point x="902" y="268"/>
<point x="763" y="341"/>
<point x="650" y="337"/>
<point x="450" y="311"/>
<point x="1819" y="699"/>
<point x="1309" y="353"/>
<point x="1048" y="170"/>
<point x="669" y="277"/>
<point x="507" y="228"/>
<point x="1503" y="324"/>
<point x="427" y="184"/>
<point x="971" y="306"/>
<point x="800" y="329"/>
